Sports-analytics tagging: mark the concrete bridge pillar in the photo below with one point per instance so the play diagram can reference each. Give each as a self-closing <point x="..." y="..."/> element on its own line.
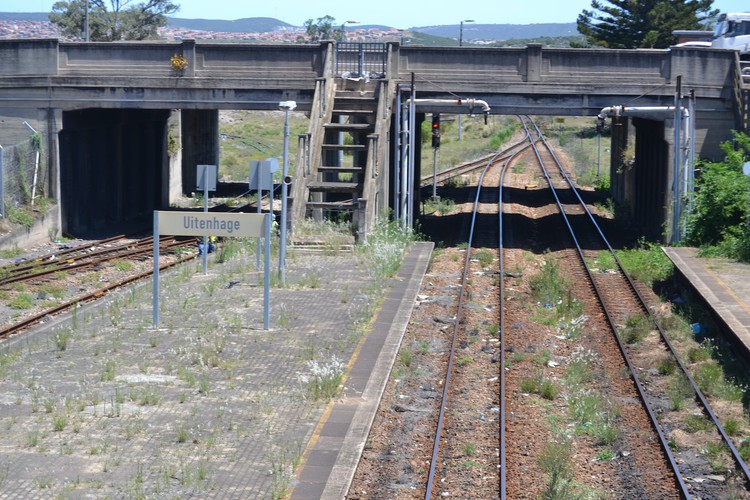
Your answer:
<point x="54" y="124"/>
<point x="200" y="143"/>
<point x="640" y="173"/>
<point x="174" y="157"/>
<point x="622" y="158"/>
<point x="534" y="62"/>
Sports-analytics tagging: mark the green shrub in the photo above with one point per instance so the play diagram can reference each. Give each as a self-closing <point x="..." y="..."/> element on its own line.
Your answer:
<point x="697" y="423"/>
<point x="555" y="460"/>
<point x="548" y="285"/>
<point x="698" y="354"/>
<point x="667" y="365"/>
<point x="732" y="426"/>
<point x="719" y="218"/>
<point x="22" y="301"/>
<point x="385" y="247"/>
<point x="21" y="216"/>
<point x="484" y="257"/>
<point x="636" y="329"/>
<point x="647" y="264"/>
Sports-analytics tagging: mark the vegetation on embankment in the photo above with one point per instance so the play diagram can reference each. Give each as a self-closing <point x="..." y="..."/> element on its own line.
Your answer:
<point x="719" y="221"/>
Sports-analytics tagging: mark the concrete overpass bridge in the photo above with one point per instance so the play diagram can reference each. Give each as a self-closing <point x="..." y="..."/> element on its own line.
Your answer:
<point x="107" y="114"/>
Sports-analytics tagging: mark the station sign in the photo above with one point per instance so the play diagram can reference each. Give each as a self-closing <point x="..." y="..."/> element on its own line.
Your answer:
<point x="215" y="224"/>
<point x="211" y="224"/>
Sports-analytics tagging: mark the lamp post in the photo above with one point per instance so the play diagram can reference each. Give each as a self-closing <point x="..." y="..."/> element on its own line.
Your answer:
<point x="461" y="31"/>
<point x="287" y="106"/>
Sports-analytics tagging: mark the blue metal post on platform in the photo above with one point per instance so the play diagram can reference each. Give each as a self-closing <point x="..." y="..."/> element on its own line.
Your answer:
<point x="267" y="272"/>
<point x="205" y="210"/>
<point x="155" y="291"/>
<point x="287" y="106"/>
<point x="258" y="205"/>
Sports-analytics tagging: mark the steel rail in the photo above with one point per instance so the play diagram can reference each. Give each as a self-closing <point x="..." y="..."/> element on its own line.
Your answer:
<point x="473" y="165"/>
<point x="501" y="268"/>
<point x="23" y="266"/>
<point x="129" y="250"/>
<point x="700" y="397"/>
<point x="32" y="320"/>
<point x="456" y="329"/>
<point x="684" y="490"/>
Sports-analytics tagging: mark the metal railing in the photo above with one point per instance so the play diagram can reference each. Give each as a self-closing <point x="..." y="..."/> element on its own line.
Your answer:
<point x="365" y="60"/>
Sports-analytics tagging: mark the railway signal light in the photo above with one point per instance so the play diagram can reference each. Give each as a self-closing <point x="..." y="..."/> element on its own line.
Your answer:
<point x="435" y="130"/>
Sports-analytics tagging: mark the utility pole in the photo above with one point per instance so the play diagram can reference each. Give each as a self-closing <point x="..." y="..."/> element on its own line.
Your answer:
<point x="85" y="34"/>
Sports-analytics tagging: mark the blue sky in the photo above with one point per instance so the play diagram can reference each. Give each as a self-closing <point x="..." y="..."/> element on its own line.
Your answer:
<point x="396" y="13"/>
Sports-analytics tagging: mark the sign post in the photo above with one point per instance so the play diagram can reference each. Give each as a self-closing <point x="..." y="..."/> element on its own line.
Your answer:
<point x="261" y="177"/>
<point x="215" y="224"/>
<point x="206" y="176"/>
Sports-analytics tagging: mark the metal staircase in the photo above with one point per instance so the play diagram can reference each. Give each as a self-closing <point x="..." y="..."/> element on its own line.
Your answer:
<point x="338" y="173"/>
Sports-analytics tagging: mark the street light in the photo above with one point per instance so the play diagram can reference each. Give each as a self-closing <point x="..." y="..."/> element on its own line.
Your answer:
<point x="286" y="106"/>
<point x="461" y="31"/>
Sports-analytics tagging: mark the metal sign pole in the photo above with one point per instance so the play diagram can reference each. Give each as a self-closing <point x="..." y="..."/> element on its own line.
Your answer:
<point x="267" y="273"/>
<point x="156" y="270"/>
<point x="205" y="210"/>
<point x="260" y="198"/>
<point x="434" y="173"/>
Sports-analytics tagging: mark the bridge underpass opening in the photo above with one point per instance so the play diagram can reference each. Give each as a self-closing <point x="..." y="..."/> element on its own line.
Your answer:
<point x="113" y="169"/>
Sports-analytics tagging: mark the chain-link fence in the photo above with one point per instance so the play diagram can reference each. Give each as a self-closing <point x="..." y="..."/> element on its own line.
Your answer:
<point x="24" y="175"/>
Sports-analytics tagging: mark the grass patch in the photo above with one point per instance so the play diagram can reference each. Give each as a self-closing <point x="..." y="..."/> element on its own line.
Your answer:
<point x="485" y="258"/>
<point x="647" y="264"/>
<point x="555" y="461"/>
<point x="384" y="248"/>
<point x="541" y="386"/>
<point x="636" y="329"/>
<point x="324" y="379"/>
<point x="22" y="301"/>
<point x="439" y="206"/>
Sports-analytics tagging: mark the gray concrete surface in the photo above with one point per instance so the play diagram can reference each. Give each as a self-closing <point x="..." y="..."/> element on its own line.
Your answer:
<point x="98" y="404"/>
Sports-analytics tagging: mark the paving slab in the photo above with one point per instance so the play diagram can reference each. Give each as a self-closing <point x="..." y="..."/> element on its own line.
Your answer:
<point x="208" y="405"/>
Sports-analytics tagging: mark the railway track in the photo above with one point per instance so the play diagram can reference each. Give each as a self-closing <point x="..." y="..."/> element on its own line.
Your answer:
<point x="584" y="408"/>
<point x="57" y="281"/>
<point x="479" y="164"/>
<point x="645" y="349"/>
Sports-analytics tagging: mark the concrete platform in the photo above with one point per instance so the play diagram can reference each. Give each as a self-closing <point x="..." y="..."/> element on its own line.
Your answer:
<point x="335" y="448"/>
<point x="725" y="287"/>
<point x="99" y="404"/>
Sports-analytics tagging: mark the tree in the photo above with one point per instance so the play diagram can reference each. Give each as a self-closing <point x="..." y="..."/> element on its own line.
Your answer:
<point x="630" y="24"/>
<point x="116" y="21"/>
<point x="720" y="207"/>
<point x="323" y="29"/>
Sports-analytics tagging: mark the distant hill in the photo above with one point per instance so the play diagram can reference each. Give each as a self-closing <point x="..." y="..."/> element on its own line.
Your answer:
<point x="246" y="25"/>
<point x="500" y="31"/>
<point x="472" y="31"/>
<point x="24" y="16"/>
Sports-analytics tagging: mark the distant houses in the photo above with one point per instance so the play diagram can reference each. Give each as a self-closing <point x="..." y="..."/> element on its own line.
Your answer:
<point x="13" y="29"/>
